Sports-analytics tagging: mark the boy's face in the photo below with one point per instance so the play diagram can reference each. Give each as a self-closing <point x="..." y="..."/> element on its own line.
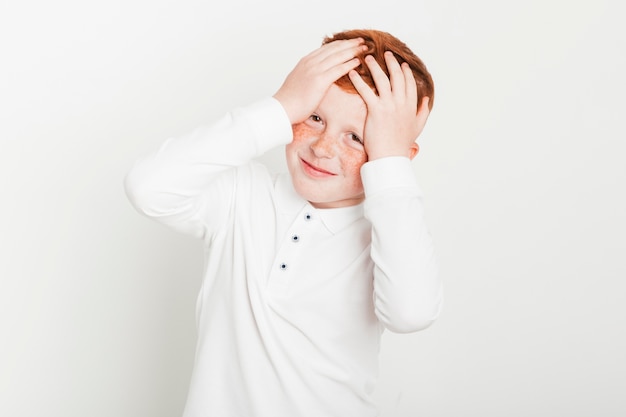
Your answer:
<point x="326" y="154"/>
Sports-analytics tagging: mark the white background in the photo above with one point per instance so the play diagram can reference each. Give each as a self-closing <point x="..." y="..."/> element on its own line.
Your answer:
<point x="521" y="162"/>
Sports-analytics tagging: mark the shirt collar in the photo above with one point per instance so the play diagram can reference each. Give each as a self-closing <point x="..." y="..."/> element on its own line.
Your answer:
<point x="288" y="201"/>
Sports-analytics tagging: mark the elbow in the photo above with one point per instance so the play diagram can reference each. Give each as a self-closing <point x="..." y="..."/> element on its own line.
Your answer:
<point x="412" y="317"/>
<point x="137" y="191"/>
<point x="132" y="189"/>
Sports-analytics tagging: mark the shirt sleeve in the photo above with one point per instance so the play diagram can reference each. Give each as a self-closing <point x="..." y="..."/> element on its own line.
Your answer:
<point x="408" y="294"/>
<point x="186" y="184"/>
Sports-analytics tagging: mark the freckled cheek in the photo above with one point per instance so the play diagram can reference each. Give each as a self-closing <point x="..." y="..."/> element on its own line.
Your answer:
<point x="352" y="163"/>
<point x="302" y="132"/>
<point x="296" y="143"/>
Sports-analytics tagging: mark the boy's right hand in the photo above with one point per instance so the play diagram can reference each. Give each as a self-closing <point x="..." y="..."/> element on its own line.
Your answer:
<point x="308" y="82"/>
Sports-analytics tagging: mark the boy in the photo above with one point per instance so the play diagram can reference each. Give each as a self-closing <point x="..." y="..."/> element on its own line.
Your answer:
<point x="304" y="271"/>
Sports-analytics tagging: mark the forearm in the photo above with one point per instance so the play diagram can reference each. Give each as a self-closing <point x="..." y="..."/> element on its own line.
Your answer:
<point x="169" y="184"/>
<point x="407" y="289"/>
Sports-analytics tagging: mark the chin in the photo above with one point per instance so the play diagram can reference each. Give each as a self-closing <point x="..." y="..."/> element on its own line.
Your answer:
<point x="325" y="200"/>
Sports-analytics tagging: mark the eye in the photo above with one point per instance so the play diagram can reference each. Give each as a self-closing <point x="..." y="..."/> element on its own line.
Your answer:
<point x="315" y="118"/>
<point x="356" y="138"/>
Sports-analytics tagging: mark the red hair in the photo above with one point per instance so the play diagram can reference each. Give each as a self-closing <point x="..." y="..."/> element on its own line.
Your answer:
<point x="377" y="43"/>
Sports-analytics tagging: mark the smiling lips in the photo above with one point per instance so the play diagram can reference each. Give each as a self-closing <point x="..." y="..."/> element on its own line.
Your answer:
<point x="314" y="171"/>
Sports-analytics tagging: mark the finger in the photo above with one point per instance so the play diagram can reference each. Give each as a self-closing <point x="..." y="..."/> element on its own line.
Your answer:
<point x="396" y="75"/>
<point x="423" y="112"/>
<point x="338" y="52"/>
<point x="333" y="47"/>
<point x="338" y="71"/>
<point x="364" y="90"/>
<point x="378" y="75"/>
<point x="340" y="57"/>
<point x="410" y="84"/>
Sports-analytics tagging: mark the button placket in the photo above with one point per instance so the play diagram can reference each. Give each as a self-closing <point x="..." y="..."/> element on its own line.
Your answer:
<point x="295" y="236"/>
<point x="288" y="252"/>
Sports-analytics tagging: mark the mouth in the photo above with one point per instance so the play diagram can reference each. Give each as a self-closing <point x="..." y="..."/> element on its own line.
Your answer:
<point x="315" y="171"/>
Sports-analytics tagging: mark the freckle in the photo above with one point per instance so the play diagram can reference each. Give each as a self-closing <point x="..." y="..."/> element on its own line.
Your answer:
<point x="301" y="131"/>
<point x="353" y="164"/>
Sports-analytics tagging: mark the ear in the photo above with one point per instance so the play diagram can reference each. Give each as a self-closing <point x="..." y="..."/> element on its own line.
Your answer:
<point x="413" y="150"/>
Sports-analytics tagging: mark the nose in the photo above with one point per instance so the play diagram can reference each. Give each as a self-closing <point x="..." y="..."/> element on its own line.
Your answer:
<point x="323" y="146"/>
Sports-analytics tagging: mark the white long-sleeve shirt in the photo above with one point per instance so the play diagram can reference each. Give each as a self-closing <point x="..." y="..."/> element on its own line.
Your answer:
<point x="294" y="299"/>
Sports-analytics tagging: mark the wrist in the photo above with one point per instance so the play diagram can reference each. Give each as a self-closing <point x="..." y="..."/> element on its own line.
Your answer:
<point x="288" y="107"/>
<point x="387" y="173"/>
<point x="387" y="149"/>
<point x="375" y="154"/>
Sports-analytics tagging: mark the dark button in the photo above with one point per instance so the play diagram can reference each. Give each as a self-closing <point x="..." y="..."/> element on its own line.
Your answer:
<point x="307" y="216"/>
<point x="283" y="266"/>
<point x="295" y="238"/>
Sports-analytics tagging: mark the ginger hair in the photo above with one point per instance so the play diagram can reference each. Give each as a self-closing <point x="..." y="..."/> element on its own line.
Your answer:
<point x="377" y="43"/>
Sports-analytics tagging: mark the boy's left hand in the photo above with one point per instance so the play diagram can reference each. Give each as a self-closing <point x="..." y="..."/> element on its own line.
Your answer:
<point x="392" y="124"/>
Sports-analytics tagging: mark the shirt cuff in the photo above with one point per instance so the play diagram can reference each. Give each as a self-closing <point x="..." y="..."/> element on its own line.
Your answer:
<point x="270" y="123"/>
<point x="388" y="173"/>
